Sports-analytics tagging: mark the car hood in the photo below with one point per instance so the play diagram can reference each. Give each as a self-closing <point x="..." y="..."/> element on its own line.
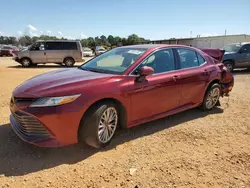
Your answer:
<point x="226" y="53"/>
<point x="59" y="83"/>
<point x="229" y="55"/>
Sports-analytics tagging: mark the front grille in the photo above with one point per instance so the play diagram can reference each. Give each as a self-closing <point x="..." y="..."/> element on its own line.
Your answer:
<point x="28" y="128"/>
<point x="24" y="100"/>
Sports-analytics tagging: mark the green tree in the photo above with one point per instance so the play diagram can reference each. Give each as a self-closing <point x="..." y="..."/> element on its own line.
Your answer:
<point x="133" y="39"/>
<point x="34" y="39"/>
<point x="97" y="41"/>
<point x="112" y="40"/>
<point x="103" y="40"/>
<point x="85" y="42"/>
<point x="124" y="41"/>
<point x="25" y="40"/>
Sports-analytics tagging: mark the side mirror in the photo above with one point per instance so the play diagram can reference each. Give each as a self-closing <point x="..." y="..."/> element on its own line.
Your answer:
<point x="146" y="71"/>
<point x="143" y="72"/>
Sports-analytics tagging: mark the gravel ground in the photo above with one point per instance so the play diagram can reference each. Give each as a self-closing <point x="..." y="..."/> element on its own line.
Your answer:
<point x="190" y="149"/>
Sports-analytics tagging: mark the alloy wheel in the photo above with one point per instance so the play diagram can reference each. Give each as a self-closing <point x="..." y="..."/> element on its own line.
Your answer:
<point x="107" y="125"/>
<point x="229" y="67"/>
<point x="69" y="62"/>
<point x="26" y="62"/>
<point x="213" y="98"/>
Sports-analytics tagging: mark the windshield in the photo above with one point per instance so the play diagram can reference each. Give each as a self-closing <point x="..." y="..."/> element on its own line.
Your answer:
<point x="232" y="48"/>
<point x="115" y="61"/>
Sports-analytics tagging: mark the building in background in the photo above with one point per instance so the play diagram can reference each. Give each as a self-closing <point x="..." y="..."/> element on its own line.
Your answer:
<point x="204" y="42"/>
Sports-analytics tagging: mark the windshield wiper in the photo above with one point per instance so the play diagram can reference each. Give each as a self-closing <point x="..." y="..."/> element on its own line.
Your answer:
<point x="93" y="70"/>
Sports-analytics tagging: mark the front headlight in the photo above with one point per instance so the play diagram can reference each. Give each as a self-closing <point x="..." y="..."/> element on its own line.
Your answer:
<point x="54" y="101"/>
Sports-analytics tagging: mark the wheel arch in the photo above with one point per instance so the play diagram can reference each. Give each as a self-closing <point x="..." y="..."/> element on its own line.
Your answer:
<point x="215" y="81"/>
<point x="121" y="111"/>
<point x="68" y="57"/>
<point x="231" y="60"/>
<point x="25" y="57"/>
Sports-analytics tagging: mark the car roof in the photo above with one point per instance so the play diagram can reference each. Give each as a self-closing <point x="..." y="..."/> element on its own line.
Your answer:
<point x="154" y="46"/>
<point x="239" y="43"/>
<point x="57" y="41"/>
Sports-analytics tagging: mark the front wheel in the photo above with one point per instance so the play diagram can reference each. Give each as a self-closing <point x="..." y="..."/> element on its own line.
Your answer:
<point x="26" y="62"/>
<point x="99" y="125"/>
<point x="229" y="65"/>
<point x="211" y="97"/>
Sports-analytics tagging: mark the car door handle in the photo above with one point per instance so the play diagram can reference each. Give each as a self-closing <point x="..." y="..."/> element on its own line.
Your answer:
<point x="44" y="53"/>
<point x="175" y="77"/>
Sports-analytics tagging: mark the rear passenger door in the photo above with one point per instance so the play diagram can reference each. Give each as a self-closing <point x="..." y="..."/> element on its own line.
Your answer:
<point x="194" y="75"/>
<point x="54" y="52"/>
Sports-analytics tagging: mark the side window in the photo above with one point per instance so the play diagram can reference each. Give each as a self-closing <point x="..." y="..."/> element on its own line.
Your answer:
<point x="69" y="46"/>
<point x="245" y="48"/>
<point x="188" y="58"/>
<point x="53" y="46"/>
<point x="161" y="61"/>
<point x="200" y="59"/>
<point x="38" y="46"/>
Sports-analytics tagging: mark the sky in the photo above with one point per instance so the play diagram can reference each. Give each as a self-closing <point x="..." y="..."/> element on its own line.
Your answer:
<point x="151" y="19"/>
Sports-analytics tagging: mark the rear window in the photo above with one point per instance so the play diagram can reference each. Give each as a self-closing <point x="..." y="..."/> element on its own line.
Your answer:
<point x="69" y="46"/>
<point x="53" y="45"/>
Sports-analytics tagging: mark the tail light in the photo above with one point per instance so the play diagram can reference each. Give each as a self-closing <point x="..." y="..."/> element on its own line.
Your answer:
<point x="81" y="53"/>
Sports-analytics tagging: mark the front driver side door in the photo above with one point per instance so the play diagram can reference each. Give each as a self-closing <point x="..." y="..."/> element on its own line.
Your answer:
<point x="158" y="93"/>
<point x="244" y="56"/>
<point x="38" y="53"/>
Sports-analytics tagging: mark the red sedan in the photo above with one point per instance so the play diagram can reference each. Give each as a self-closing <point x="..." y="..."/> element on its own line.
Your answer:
<point x="123" y="87"/>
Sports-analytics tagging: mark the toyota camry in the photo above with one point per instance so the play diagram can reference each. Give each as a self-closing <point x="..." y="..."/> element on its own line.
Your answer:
<point x="123" y="87"/>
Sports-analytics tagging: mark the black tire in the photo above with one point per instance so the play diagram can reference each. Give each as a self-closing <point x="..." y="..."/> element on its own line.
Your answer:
<point x="89" y="127"/>
<point x="69" y="62"/>
<point x="204" y="106"/>
<point x="229" y="65"/>
<point x="26" y="62"/>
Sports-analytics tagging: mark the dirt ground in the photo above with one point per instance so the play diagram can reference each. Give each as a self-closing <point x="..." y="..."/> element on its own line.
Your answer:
<point x="190" y="149"/>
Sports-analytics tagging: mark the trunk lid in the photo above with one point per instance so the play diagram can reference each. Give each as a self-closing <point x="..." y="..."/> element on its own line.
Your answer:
<point x="215" y="53"/>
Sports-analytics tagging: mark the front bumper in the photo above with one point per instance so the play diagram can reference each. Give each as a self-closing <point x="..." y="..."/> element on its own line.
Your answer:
<point x="47" y="126"/>
<point x="15" y="58"/>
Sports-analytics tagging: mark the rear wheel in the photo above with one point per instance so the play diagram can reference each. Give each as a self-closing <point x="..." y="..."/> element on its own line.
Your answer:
<point x="99" y="125"/>
<point x="229" y="65"/>
<point x="26" y="62"/>
<point x="211" y="98"/>
<point x="69" y="62"/>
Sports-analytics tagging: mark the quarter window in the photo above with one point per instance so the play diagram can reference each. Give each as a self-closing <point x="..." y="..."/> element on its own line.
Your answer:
<point x="200" y="59"/>
<point x="161" y="61"/>
<point x="188" y="58"/>
<point x="69" y="46"/>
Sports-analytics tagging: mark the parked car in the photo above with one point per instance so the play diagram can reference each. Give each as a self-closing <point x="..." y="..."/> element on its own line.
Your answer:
<point x="87" y="52"/>
<point x="8" y="50"/>
<point x="99" y="50"/>
<point x="123" y="87"/>
<point x="52" y="51"/>
<point x="237" y="56"/>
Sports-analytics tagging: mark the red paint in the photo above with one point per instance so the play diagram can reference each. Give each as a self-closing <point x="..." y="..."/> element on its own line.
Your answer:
<point x="155" y="97"/>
